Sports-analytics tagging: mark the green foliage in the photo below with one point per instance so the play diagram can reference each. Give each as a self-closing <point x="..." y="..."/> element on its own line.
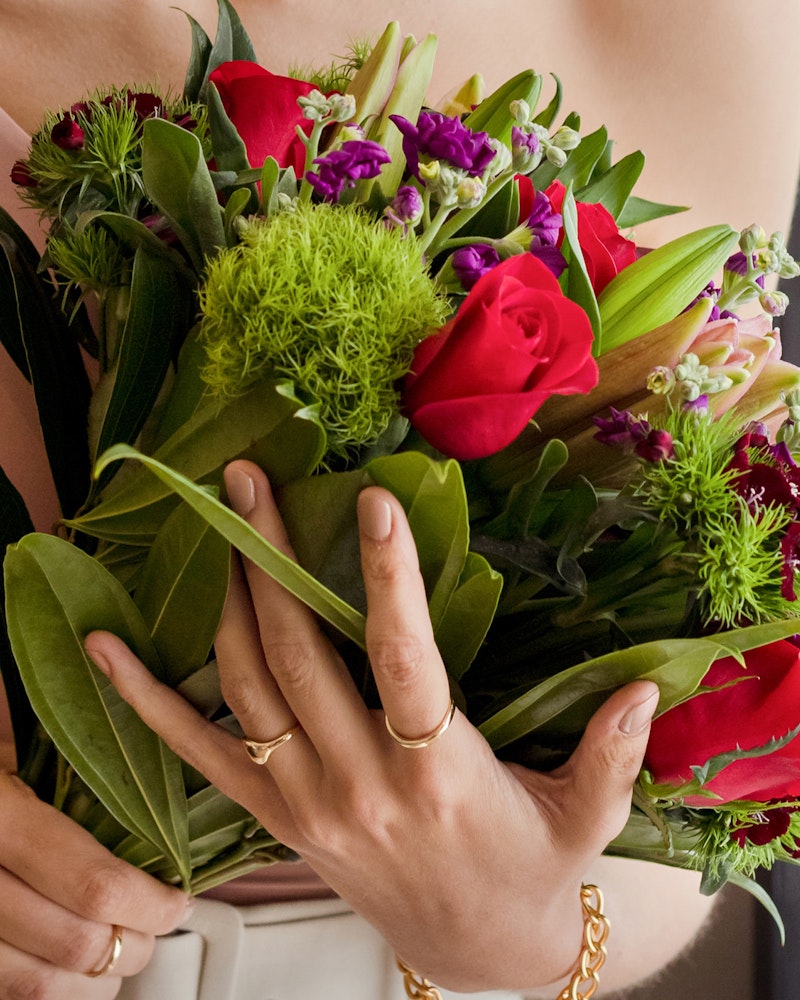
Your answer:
<point x="340" y="71"/>
<point x="328" y="298"/>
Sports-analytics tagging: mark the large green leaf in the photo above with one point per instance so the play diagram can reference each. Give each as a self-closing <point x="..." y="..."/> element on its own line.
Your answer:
<point x="251" y="544"/>
<point x="55" y="595"/>
<point x="267" y="424"/>
<point x="44" y="346"/>
<point x="186" y="569"/>
<point x="654" y="289"/>
<point x="492" y="114"/>
<point x="563" y="704"/>
<point x="612" y="189"/>
<point x="177" y="180"/>
<point x="579" y="285"/>
<point x="158" y="316"/>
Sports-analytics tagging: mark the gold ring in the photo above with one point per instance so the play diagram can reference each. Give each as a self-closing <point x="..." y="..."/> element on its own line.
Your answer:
<point x="260" y="753"/>
<point x="113" y="958"/>
<point x="422" y="741"/>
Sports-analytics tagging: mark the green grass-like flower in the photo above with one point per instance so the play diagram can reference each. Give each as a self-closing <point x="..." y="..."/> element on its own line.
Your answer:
<point x="329" y="298"/>
<point x="90" y="258"/>
<point x="737" y="551"/>
<point x="336" y="76"/>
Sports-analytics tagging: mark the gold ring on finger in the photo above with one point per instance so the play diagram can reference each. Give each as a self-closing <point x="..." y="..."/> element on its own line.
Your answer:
<point x="113" y="957"/>
<point x="260" y="753"/>
<point x="428" y="738"/>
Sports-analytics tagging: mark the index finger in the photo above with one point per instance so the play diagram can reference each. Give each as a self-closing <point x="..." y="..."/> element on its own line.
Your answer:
<point x="408" y="669"/>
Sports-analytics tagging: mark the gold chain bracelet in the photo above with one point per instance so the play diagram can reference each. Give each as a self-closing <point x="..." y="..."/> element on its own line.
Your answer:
<point x="585" y="977"/>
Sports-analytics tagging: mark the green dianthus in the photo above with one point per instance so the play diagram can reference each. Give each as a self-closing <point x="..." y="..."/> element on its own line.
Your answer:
<point x="332" y="300"/>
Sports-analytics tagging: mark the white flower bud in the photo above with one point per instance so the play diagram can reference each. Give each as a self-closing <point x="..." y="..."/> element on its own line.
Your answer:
<point x="520" y="111"/>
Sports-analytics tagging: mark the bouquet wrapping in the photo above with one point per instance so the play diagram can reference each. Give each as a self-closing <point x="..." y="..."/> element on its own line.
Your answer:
<point x="593" y="440"/>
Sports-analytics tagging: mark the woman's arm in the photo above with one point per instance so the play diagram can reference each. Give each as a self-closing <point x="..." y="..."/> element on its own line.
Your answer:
<point x="470" y="868"/>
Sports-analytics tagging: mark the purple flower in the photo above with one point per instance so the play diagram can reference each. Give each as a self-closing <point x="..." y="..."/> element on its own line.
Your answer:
<point x="406" y="207"/>
<point x="438" y="137"/>
<point x="737" y="264"/>
<point x="341" y="168"/>
<point x="622" y="430"/>
<point x="527" y="141"/>
<point x="551" y="257"/>
<point x="543" y="221"/>
<point x="67" y="133"/>
<point x="472" y="262"/>
<point x="657" y="446"/>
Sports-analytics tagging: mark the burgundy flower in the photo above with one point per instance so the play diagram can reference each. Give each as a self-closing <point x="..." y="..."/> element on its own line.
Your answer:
<point x="472" y="262"/>
<point x="341" y="168"/>
<point x="67" y="133"/>
<point x="656" y="447"/>
<point x="767" y="474"/>
<point x="766" y="827"/>
<point x="146" y="104"/>
<point x="437" y="137"/>
<point x="21" y="175"/>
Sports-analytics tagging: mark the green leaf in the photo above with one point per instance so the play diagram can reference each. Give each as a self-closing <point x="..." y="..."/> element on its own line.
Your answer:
<point x="45" y="348"/>
<point x="492" y="114"/>
<point x="232" y="41"/>
<point x="251" y="544"/>
<point x="716" y="764"/>
<point x="760" y="893"/>
<point x="230" y="152"/>
<point x="579" y="285"/>
<point x="469" y="615"/>
<point x="129" y="768"/>
<point x="14" y="523"/>
<point x="196" y="71"/>
<point x="658" y="286"/>
<point x="612" y="189"/>
<point x="268" y="424"/>
<point x="639" y="210"/>
<point x="546" y="117"/>
<point x="186" y="569"/>
<point x="581" y="161"/>
<point x="177" y="180"/>
<point x="372" y="85"/>
<point x="158" y="315"/>
<point x="563" y="704"/>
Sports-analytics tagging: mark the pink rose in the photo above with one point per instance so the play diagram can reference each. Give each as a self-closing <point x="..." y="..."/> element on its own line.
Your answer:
<point x="515" y="341"/>
<point x="264" y="109"/>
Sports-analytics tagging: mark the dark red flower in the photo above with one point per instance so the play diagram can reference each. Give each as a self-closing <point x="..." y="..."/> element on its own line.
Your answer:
<point x="21" y="175"/>
<point x="605" y="251"/>
<point x="761" y="702"/>
<point x="67" y="133"/>
<point x="766" y="827"/>
<point x="264" y="109"/>
<point x="515" y="341"/>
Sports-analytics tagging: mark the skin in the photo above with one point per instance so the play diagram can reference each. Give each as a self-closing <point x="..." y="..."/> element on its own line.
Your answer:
<point x="59" y="890"/>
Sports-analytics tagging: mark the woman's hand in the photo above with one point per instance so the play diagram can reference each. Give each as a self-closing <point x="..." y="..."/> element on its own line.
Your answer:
<point x="469" y="867"/>
<point x="63" y="898"/>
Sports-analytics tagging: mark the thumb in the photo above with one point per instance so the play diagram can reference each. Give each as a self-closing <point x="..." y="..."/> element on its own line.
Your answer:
<point x="603" y="768"/>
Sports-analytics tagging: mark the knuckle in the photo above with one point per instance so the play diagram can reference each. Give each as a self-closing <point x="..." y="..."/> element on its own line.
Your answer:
<point x="291" y="659"/>
<point x="83" y="948"/>
<point x="38" y="984"/>
<point x="245" y="695"/>
<point x="105" y="892"/>
<point x="398" y="658"/>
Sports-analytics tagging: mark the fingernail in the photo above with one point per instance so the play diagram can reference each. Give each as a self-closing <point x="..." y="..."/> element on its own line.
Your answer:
<point x="241" y="491"/>
<point x="99" y="661"/>
<point x="638" y="716"/>
<point x="374" y="516"/>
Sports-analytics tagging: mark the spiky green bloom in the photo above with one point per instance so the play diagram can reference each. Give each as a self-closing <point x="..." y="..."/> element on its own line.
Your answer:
<point x="737" y="551"/>
<point x="329" y="298"/>
<point x="336" y="76"/>
<point x="106" y="172"/>
<point x="91" y="259"/>
<point x="717" y="853"/>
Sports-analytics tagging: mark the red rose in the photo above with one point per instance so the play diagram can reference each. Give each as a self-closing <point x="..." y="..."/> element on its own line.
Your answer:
<point x="264" y="109"/>
<point x="515" y="341"/>
<point x="747" y="714"/>
<point x="605" y="252"/>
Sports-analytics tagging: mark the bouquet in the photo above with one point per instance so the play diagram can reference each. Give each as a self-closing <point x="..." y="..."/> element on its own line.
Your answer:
<point x="593" y="442"/>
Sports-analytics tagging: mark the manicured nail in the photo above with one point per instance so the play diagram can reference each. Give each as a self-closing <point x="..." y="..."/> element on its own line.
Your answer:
<point x="374" y="516"/>
<point x="100" y="661"/>
<point x="638" y="716"/>
<point x="241" y="491"/>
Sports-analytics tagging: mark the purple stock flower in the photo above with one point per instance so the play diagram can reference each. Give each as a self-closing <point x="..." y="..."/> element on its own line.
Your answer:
<point x="67" y="133"/>
<point x="551" y="257"/>
<point x="622" y="430"/>
<point x="737" y="264"/>
<point x="472" y="262"/>
<point x="406" y="207"/>
<point x="341" y="168"/>
<point x="527" y="141"/>
<point x="543" y="221"/>
<point x="438" y="137"/>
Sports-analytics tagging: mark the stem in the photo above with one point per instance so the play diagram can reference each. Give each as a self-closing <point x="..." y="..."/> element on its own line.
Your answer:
<point x="458" y="220"/>
<point x="312" y="147"/>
